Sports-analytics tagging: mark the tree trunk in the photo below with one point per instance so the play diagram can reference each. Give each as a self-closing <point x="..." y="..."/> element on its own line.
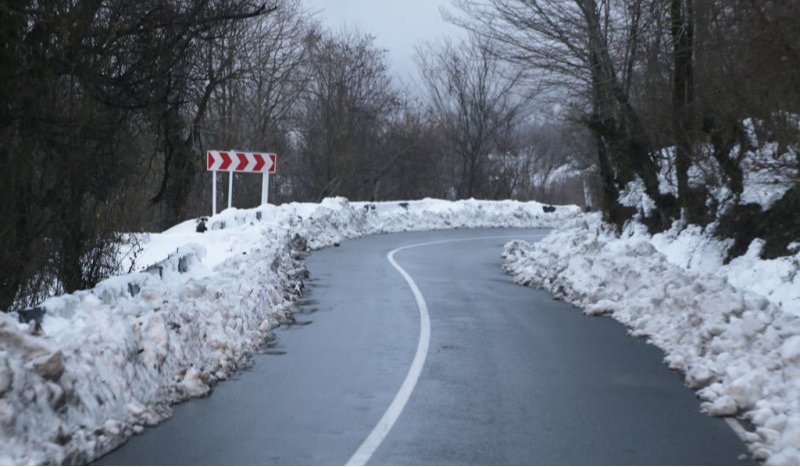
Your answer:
<point x="72" y="243"/>
<point x="683" y="123"/>
<point x="618" y="127"/>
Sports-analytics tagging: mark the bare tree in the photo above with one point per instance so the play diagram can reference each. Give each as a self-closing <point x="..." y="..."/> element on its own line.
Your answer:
<point x="478" y="101"/>
<point x="672" y="77"/>
<point x="199" y="59"/>
<point x="346" y="105"/>
<point x="588" y="49"/>
<point x="253" y="108"/>
<point x="84" y="78"/>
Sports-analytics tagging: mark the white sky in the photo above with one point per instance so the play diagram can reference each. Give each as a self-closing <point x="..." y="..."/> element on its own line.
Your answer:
<point x="398" y="26"/>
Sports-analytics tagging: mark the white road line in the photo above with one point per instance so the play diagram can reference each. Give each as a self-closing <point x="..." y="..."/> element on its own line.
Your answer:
<point x="381" y="430"/>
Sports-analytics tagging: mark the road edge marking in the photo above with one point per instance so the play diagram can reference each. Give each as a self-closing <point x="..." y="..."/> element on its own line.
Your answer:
<point x="373" y="441"/>
<point x="376" y="437"/>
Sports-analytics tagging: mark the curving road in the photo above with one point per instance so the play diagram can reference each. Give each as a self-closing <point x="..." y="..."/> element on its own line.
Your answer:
<point x="507" y="376"/>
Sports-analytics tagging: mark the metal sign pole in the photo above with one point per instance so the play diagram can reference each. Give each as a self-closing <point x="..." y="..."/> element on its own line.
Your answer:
<point x="213" y="192"/>
<point x="265" y="189"/>
<point x="230" y="189"/>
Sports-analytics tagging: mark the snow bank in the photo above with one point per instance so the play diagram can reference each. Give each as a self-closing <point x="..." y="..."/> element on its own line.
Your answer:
<point x="106" y="362"/>
<point x="112" y="359"/>
<point x="697" y="250"/>
<point x="233" y="231"/>
<point x="738" y="349"/>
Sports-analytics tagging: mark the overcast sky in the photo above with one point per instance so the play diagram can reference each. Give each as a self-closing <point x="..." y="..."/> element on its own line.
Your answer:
<point x="398" y="25"/>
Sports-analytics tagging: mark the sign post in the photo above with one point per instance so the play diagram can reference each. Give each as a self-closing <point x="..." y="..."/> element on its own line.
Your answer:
<point x="230" y="190"/>
<point x="243" y="162"/>
<point x="214" y="193"/>
<point x="265" y="189"/>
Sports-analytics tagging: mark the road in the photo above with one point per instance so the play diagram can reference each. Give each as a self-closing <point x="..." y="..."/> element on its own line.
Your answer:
<point x="508" y="375"/>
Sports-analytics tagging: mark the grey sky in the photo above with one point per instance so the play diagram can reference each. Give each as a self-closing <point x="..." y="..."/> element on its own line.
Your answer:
<point x="398" y="25"/>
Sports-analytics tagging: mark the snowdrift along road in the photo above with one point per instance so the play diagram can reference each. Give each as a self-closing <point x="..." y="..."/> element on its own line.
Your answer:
<point x="109" y="361"/>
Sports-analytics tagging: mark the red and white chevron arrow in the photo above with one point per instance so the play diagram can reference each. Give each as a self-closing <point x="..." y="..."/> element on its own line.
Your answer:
<point x="236" y="161"/>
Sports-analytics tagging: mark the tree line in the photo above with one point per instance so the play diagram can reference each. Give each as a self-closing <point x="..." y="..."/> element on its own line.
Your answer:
<point x="108" y="106"/>
<point x="681" y="77"/>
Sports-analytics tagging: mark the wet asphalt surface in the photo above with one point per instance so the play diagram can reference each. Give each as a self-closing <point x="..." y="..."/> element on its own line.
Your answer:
<point x="512" y="376"/>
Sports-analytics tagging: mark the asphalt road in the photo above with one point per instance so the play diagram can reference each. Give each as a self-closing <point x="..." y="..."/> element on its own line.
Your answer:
<point x="510" y="376"/>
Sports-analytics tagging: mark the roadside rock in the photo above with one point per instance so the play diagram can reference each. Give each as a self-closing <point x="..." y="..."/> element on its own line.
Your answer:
<point x="50" y="367"/>
<point x="299" y="244"/>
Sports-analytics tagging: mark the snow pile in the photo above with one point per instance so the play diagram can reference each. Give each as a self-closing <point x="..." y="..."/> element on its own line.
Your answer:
<point x="769" y="170"/>
<point x="698" y="251"/>
<point x="106" y="362"/>
<point x="112" y="359"/>
<point x="740" y="351"/>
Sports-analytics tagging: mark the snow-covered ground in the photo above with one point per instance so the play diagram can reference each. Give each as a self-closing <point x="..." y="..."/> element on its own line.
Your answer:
<point x="108" y="361"/>
<point x="733" y="330"/>
<point x="768" y="167"/>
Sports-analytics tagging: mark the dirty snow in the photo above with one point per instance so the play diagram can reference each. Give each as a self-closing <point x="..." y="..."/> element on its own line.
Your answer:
<point x="109" y="361"/>
<point x="733" y="330"/>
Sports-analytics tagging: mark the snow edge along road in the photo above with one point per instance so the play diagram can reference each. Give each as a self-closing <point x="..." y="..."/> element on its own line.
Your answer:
<point x="374" y="440"/>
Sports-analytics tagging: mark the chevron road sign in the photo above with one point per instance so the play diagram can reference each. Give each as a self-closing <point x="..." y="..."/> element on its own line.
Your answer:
<point x="242" y="162"/>
<point x="236" y="161"/>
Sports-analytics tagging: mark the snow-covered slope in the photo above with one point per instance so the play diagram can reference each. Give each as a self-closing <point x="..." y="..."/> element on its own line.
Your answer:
<point x="108" y="361"/>
<point x="733" y="330"/>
